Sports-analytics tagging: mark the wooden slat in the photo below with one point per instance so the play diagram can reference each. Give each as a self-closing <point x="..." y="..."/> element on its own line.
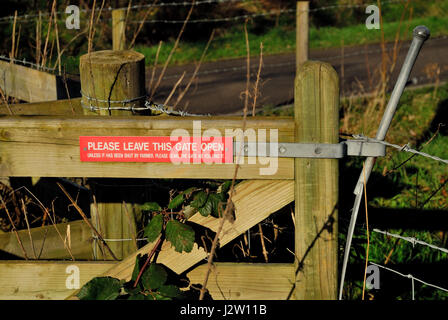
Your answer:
<point x="48" y="146"/>
<point x="43" y="280"/>
<point x="47" y="280"/>
<point x="50" y="108"/>
<point x="246" y="281"/>
<point x="251" y="207"/>
<point x="27" y="84"/>
<point x="48" y="244"/>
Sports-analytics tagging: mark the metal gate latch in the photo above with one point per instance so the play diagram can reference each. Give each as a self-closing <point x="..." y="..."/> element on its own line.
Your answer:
<point x="353" y="147"/>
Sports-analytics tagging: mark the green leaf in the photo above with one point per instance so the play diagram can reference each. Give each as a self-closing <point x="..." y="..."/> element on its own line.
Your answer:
<point x="215" y="201"/>
<point x="189" y="191"/>
<point x="177" y="201"/>
<point x="136" y="270"/>
<point x="224" y="188"/>
<point x="180" y="235"/>
<point x="129" y="288"/>
<point x="170" y="291"/>
<point x="189" y="211"/>
<point x="138" y="296"/>
<point x="100" y="288"/>
<point x="150" y="206"/>
<point x="160" y="297"/>
<point x="154" y="228"/>
<point x="206" y="209"/>
<point x="154" y="277"/>
<point x="199" y="200"/>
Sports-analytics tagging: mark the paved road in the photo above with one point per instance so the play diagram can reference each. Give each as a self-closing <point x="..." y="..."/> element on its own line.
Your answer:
<point x="219" y="85"/>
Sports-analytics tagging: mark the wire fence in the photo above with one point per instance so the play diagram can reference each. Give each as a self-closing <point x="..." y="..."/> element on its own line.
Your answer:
<point x="413" y="278"/>
<point x="291" y="64"/>
<point x="412" y="240"/>
<point x="31" y="16"/>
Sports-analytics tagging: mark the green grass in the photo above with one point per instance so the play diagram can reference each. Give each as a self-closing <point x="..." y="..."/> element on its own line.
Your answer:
<point x="281" y="39"/>
<point x="419" y="179"/>
<point x="415" y="184"/>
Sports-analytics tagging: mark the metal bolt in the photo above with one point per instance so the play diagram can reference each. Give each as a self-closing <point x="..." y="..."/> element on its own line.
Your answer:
<point x="282" y="149"/>
<point x="318" y="150"/>
<point x="246" y="149"/>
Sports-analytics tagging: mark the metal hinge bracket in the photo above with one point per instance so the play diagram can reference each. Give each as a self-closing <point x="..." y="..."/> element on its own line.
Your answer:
<point x="359" y="148"/>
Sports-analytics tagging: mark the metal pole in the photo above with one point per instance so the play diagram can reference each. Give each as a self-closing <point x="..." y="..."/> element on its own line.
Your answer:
<point x="420" y="35"/>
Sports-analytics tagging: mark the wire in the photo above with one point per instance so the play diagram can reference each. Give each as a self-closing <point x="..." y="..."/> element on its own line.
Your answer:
<point x="410" y="276"/>
<point x="412" y="240"/>
<point x="400" y="148"/>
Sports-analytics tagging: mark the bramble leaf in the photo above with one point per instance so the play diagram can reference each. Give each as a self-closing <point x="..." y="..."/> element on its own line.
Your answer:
<point x="189" y="211"/>
<point x="199" y="200"/>
<point x="206" y="209"/>
<point x="150" y="206"/>
<point x="170" y="291"/>
<point x="157" y="296"/>
<point x="177" y="201"/>
<point x="154" y="277"/>
<point x="215" y="200"/>
<point x="225" y="187"/>
<point x="136" y="270"/>
<point x="180" y="235"/>
<point x="189" y="191"/>
<point x="137" y="296"/>
<point x="154" y="228"/>
<point x="100" y="288"/>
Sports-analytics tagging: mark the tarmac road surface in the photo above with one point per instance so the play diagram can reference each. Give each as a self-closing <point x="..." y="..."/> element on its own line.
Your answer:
<point x="218" y="87"/>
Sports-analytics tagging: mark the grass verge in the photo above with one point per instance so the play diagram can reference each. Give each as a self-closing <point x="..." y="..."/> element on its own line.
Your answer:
<point x="281" y="39"/>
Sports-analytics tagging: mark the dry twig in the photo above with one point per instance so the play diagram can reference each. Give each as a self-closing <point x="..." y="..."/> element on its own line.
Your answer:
<point x="83" y="215"/>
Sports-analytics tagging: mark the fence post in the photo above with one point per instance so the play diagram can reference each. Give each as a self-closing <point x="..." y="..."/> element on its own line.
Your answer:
<point x="302" y="31"/>
<point x="118" y="29"/>
<point x="316" y="114"/>
<point x="112" y="76"/>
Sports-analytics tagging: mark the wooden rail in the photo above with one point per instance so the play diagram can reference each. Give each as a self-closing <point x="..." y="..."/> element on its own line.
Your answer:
<point x="33" y="85"/>
<point x="46" y="280"/>
<point x="49" y="146"/>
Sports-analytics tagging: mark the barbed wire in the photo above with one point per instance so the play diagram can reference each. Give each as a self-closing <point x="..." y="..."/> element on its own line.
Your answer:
<point x="120" y="240"/>
<point x="405" y="147"/>
<point x="411" y="240"/>
<point x="149" y="105"/>
<point x="226" y="19"/>
<point x="28" y="63"/>
<point x="410" y="276"/>
<point x="31" y="16"/>
<point x="134" y="7"/>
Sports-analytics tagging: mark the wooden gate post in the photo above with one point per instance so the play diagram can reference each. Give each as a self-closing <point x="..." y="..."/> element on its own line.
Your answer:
<point x="302" y="31"/>
<point x="118" y="29"/>
<point x="316" y="114"/>
<point x="113" y="76"/>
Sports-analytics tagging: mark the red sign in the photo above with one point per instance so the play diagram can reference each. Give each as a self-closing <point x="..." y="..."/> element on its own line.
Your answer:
<point x="157" y="149"/>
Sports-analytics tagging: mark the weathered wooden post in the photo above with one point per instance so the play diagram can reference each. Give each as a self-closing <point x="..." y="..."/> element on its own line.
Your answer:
<point x="118" y="29"/>
<point x="302" y="31"/>
<point x="316" y="114"/>
<point x="113" y="83"/>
